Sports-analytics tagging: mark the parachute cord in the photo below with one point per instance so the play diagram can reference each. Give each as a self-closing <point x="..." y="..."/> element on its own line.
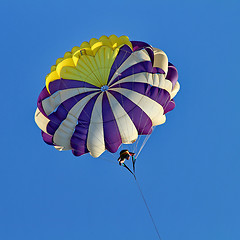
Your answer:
<point x="144" y="200"/>
<point x="144" y="142"/>
<point x="140" y="190"/>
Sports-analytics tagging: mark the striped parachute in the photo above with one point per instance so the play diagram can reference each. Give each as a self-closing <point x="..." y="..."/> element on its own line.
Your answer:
<point x="105" y="93"/>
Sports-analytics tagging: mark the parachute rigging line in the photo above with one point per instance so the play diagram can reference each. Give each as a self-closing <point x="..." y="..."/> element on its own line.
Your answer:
<point x="133" y="163"/>
<point x="148" y="209"/>
<point x="129" y="170"/>
<point x="140" y="190"/>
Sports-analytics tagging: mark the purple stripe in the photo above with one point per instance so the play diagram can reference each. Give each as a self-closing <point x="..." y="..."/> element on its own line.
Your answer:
<point x="112" y="136"/>
<point x="172" y="74"/>
<point x="139" y="118"/>
<point x="169" y="107"/>
<point x="124" y="52"/>
<point x="159" y="95"/>
<point x="137" y="45"/>
<point x="43" y="95"/>
<point x="140" y="67"/>
<point x="163" y="98"/>
<point x="62" y="84"/>
<point x="47" y="138"/>
<point x="61" y="113"/>
<point x="79" y="137"/>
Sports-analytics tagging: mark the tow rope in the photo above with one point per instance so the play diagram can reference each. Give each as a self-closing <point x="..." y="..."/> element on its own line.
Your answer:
<point x="140" y="190"/>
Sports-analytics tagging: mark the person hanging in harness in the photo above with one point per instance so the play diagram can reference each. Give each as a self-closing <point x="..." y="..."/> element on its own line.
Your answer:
<point x="125" y="155"/>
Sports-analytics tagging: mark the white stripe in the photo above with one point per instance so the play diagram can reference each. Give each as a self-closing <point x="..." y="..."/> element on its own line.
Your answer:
<point x="95" y="140"/>
<point x="127" y="129"/>
<point x="156" y="80"/>
<point x="150" y="107"/>
<point x="59" y="148"/>
<point x="41" y="120"/>
<point x="62" y="136"/>
<point x="134" y="58"/>
<point x="160" y="60"/>
<point x="51" y="103"/>
<point x="175" y="90"/>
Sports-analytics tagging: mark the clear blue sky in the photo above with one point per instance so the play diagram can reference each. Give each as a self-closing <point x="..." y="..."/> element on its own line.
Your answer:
<point x="189" y="170"/>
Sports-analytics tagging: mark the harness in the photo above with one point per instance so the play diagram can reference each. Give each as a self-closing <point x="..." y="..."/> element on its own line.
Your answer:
<point x="125" y="152"/>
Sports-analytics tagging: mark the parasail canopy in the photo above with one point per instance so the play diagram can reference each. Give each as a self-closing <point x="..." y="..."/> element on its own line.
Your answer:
<point x="105" y="93"/>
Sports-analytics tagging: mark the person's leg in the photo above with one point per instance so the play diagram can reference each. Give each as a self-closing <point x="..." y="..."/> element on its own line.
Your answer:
<point x="121" y="162"/>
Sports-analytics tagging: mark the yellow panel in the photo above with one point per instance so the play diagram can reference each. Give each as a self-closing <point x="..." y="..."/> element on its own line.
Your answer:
<point x="93" y="41"/>
<point x="53" y="68"/>
<point x="70" y="73"/>
<point x="51" y="77"/>
<point x="91" y="62"/>
<point x="65" y="62"/>
<point x="74" y="49"/>
<point x="96" y="47"/>
<point x="58" y="60"/>
<point x="67" y="55"/>
<point x="85" y="45"/>
<point x="113" y="38"/>
<point x="76" y="57"/>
